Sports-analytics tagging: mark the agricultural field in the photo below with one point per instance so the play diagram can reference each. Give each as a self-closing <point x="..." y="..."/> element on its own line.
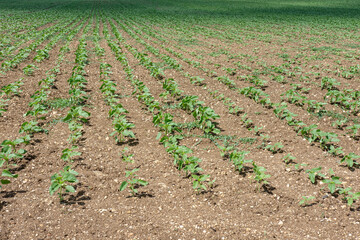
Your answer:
<point x="159" y="119"/>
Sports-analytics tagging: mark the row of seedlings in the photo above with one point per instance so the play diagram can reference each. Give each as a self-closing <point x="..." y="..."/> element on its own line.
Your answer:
<point x="289" y="158"/>
<point x="75" y="118"/>
<point x="204" y="115"/>
<point x="25" y="52"/>
<point x="312" y="134"/>
<point x="15" y="36"/>
<point x="167" y="127"/>
<point x="121" y="126"/>
<point x="11" y="151"/>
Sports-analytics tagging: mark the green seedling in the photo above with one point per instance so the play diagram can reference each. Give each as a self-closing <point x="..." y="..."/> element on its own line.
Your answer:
<point x="41" y="55"/>
<point x="180" y="154"/>
<point x="117" y="110"/>
<point x="30" y="128"/>
<point x="69" y="154"/>
<point x="336" y="151"/>
<point x="6" y="174"/>
<point x="354" y="129"/>
<point x="190" y="103"/>
<point x="122" y="129"/>
<point x="9" y="152"/>
<point x="298" y="165"/>
<point x="260" y="175"/>
<point x="13" y="88"/>
<point x="204" y="117"/>
<point x="288" y="158"/>
<point x="75" y="135"/>
<point x="349" y="196"/>
<point x="339" y="123"/>
<point x="256" y="130"/>
<point x="306" y="200"/>
<point x="280" y="79"/>
<point x="315" y="173"/>
<point x="329" y="83"/>
<point x="227" y="81"/>
<point x="166" y="124"/>
<point x="350" y="159"/>
<point x="197" y="80"/>
<point x="132" y="181"/>
<point x="248" y="123"/>
<point x="224" y="150"/>
<point x="168" y="141"/>
<point x="3" y="106"/>
<point x="108" y="88"/>
<point x="277" y="147"/>
<point x="238" y="159"/>
<point x="126" y="157"/>
<point x="230" y="71"/>
<point x="77" y="114"/>
<point x="29" y="69"/>
<point x="191" y="165"/>
<point x="171" y="87"/>
<point x="199" y="183"/>
<point x="235" y="110"/>
<point x="59" y="182"/>
<point x="332" y="183"/>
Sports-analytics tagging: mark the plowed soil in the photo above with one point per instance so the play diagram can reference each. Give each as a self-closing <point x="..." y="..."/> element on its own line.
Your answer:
<point x="236" y="207"/>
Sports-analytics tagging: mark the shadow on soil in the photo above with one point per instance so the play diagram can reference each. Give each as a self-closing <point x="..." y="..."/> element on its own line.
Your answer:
<point x="142" y="195"/>
<point x="11" y="194"/>
<point x="78" y="199"/>
<point x="268" y="189"/>
<point x="130" y="142"/>
<point x="8" y="194"/>
<point x="355" y="209"/>
<point x="24" y="163"/>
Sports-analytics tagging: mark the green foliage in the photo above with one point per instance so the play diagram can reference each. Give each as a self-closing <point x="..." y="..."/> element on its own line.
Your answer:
<point x="133" y="182"/>
<point x="350" y="159"/>
<point x="238" y="159"/>
<point x="6" y="174"/>
<point x="68" y="154"/>
<point x="190" y="103"/>
<point x="30" y="128"/>
<point x="288" y="158"/>
<point x="13" y="88"/>
<point x="201" y="182"/>
<point x="329" y="83"/>
<point x="41" y="55"/>
<point x="260" y="175"/>
<point x="349" y="196"/>
<point x="3" y="106"/>
<point x="29" y="69"/>
<point x="354" y="129"/>
<point x="60" y="182"/>
<point x="128" y="158"/>
<point x="122" y="129"/>
<point x="197" y="80"/>
<point x="332" y="183"/>
<point x="277" y="147"/>
<point x="315" y="173"/>
<point x="77" y="113"/>
<point x="204" y="117"/>
<point x="166" y="124"/>
<point x="305" y="200"/>
<point x="224" y="150"/>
